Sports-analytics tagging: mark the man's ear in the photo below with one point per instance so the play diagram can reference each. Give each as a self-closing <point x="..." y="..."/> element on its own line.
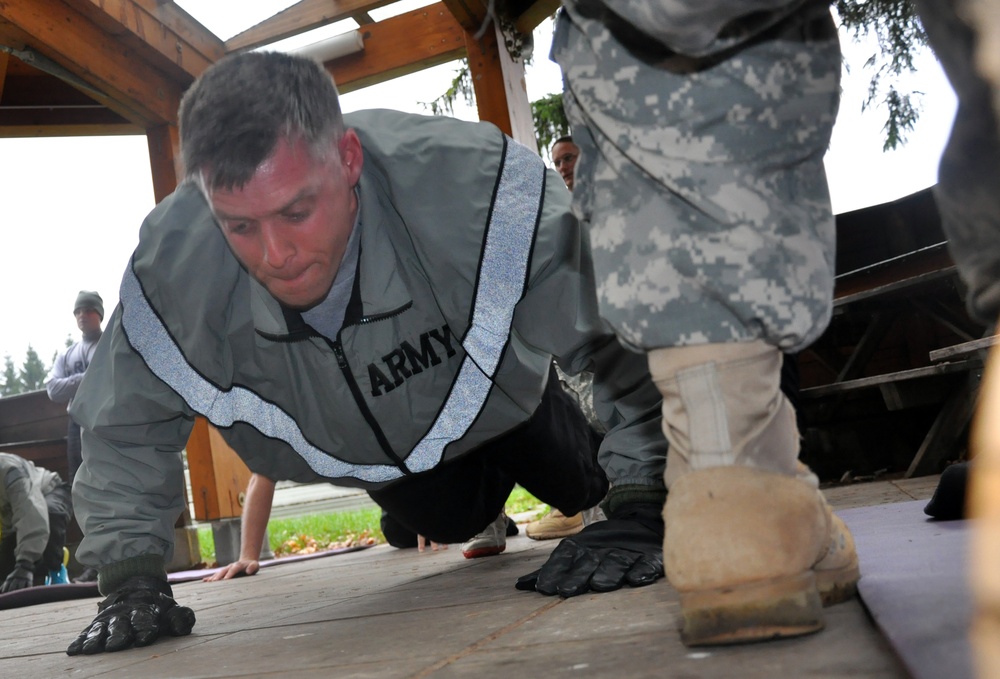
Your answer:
<point x="352" y="157"/>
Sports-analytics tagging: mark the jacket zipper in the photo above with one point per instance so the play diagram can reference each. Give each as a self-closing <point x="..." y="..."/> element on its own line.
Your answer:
<point x="345" y="368"/>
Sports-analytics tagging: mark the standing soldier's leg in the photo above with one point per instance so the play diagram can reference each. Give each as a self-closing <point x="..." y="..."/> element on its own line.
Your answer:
<point x="713" y="240"/>
<point x="970" y="214"/>
<point x="969" y="172"/>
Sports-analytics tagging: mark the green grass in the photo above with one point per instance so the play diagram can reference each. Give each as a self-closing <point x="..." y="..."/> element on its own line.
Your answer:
<point x="521" y="500"/>
<point x="337" y="526"/>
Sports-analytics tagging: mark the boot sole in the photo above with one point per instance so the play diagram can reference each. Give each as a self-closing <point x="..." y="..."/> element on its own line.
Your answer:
<point x="838" y="585"/>
<point x="759" y="611"/>
<point x="483" y="551"/>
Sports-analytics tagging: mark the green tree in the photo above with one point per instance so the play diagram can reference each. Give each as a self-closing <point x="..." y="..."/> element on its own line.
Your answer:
<point x="900" y="34"/>
<point x="550" y="121"/>
<point x="11" y="382"/>
<point x="33" y="371"/>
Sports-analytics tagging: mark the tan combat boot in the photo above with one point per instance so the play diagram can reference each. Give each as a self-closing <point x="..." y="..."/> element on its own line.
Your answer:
<point x="754" y="555"/>
<point x="750" y="543"/>
<point x="555" y="525"/>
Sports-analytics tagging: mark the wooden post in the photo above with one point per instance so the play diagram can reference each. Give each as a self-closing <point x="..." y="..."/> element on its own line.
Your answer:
<point x="498" y="81"/>
<point x="218" y="476"/>
<point x="164" y="159"/>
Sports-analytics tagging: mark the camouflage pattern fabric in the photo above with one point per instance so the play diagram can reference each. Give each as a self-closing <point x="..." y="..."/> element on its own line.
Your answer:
<point x="703" y="183"/>
<point x="966" y="192"/>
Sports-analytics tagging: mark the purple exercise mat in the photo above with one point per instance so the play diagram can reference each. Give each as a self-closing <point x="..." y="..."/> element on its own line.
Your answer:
<point x="913" y="582"/>
<point x="187" y="576"/>
<point x="32" y="596"/>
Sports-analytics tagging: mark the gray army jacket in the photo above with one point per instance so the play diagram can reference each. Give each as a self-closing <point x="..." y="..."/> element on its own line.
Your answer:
<point x="472" y="276"/>
<point x="22" y="506"/>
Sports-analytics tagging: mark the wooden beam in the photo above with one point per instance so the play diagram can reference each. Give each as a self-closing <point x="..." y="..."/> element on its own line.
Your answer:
<point x="501" y="95"/>
<point x="303" y="16"/>
<point x="164" y="159"/>
<point x="469" y="13"/>
<point x="174" y="40"/>
<point x="119" y="76"/>
<point x="538" y="12"/>
<point x="75" y="128"/>
<point x="219" y="477"/>
<point x="4" y="60"/>
<point x="401" y="45"/>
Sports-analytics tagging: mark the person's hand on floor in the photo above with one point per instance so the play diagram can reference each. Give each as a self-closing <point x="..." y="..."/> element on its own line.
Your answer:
<point x="234" y="570"/>
<point x="435" y="546"/>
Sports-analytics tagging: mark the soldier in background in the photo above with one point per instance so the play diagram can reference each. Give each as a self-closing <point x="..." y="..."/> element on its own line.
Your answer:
<point x="35" y="506"/>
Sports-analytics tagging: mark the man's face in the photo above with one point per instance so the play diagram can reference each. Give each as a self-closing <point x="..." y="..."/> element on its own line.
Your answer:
<point x="290" y="223"/>
<point x="88" y="320"/>
<point x="564" y="156"/>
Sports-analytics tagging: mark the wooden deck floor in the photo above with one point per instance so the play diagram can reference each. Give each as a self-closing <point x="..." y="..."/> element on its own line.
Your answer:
<point x="397" y="613"/>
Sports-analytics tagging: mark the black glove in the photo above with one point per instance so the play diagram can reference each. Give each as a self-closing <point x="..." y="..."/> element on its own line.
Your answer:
<point x="627" y="548"/>
<point x="22" y="576"/>
<point x="137" y="613"/>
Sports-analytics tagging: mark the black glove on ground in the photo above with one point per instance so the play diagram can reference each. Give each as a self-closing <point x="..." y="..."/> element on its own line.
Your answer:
<point x="625" y="549"/>
<point x="19" y="578"/>
<point x="135" y="614"/>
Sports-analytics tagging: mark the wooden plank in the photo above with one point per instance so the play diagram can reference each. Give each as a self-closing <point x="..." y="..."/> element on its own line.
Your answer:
<point x="896" y="273"/>
<point x="537" y="13"/>
<point x="301" y="17"/>
<point x="876" y="380"/>
<point x="177" y="42"/>
<point x="117" y="74"/>
<point x="468" y="13"/>
<point x="943" y="440"/>
<point x="231" y="476"/>
<point x="218" y="476"/>
<point x="49" y="453"/>
<point x="31" y="416"/>
<point x="964" y="349"/>
<point x="202" y="471"/>
<point x="401" y="45"/>
<point x="164" y="159"/>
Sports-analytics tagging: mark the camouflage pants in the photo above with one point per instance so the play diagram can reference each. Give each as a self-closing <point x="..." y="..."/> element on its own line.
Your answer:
<point x="969" y="172"/>
<point x="703" y="183"/>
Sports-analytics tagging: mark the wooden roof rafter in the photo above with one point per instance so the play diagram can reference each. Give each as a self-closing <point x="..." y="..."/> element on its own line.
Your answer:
<point x="303" y="16"/>
<point x="400" y="45"/>
<point x="180" y="45"/>
<point x="525" y="15"/>
<point x="116" y="72"/>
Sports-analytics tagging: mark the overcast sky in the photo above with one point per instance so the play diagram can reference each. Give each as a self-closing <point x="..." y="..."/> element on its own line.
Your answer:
<point x="70" y="208"/>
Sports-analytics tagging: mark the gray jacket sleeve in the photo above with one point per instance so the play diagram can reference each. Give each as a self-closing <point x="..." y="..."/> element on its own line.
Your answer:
<point x="129" y="491"/>
<point x="559" y="314"/>
<point x="61" y="386"/>
<point x="30" y="516"/>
